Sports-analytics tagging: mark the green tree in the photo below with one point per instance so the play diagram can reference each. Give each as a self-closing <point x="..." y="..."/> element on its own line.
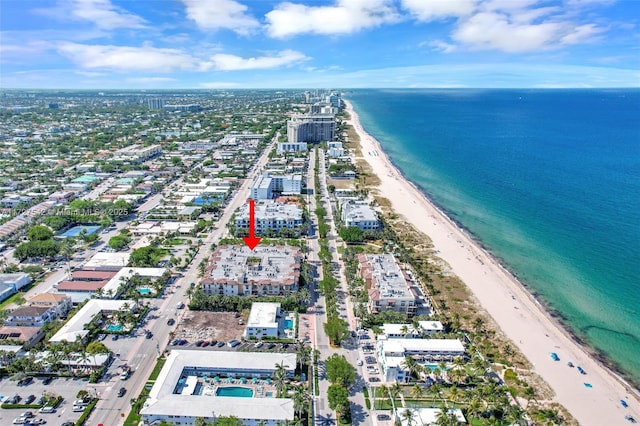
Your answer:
<point x="39" y="233"/>
<point x="228" y="421"/>
<point x="145" y="256"/>
<point x="338" y="397"/>
<point x="118" y="242"/>
<point x="336" y="329"/>
<point x="351" y="234"/>
<point x="340" y="371"/>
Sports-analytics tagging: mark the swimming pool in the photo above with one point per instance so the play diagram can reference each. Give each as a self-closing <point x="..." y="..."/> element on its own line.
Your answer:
<point x="234" y="391"/>
<point x="145" y="290"/>
<point x="288" y="324"/>
<point x="76" y="230"/>
<point x="114" y="327"/>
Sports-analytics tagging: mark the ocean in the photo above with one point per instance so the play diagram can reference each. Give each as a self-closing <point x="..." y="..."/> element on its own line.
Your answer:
<point x="547" y="180"/>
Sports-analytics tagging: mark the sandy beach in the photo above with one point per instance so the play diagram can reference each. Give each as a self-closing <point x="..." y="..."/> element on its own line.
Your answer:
<point x="519" y="315"/>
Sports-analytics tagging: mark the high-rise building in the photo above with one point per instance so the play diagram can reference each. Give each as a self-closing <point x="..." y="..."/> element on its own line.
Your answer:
<point x="155" y="103"/>
<point x="311" y="128"/>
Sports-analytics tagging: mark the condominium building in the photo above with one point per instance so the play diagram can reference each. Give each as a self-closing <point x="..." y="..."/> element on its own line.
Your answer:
<point x="311" y="128"/>
<point x="360" y="214"/>
<point x="386" y="284"/>
<point x="192" y="386"/>
<point x="263" y="320"/>
<point x="137" y="153"/>
<point x="393" y="352"/>
<point x="263" y="271"/>
<point x="291" y="147"/>
<point x="271" y="216"/>
<point x="268" y="185"/>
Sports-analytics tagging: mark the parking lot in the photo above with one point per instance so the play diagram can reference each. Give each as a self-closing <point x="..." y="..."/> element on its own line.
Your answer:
<point x="221" y="345"/>
<point x="66" y="387"/>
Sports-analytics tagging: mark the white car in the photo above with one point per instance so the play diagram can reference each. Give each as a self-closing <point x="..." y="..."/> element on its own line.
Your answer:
<point x="19" y="420"/>
<point x="47" y="409"/>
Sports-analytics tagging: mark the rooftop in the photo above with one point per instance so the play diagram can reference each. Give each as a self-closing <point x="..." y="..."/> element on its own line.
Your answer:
<point x="263" y="315"/>
<point x="388" y="281"/>
<point x="75" y="326"/>
<point x="162" y="400"/>
<point x="263" y="265"/>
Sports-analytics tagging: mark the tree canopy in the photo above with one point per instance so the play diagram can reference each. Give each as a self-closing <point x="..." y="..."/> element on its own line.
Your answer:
<point x="340" y="371"/>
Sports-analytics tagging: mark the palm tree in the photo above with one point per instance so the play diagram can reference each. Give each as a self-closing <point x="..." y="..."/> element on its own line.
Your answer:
<point x="383" y="391"/>
<point x="303" y="354"/>
<point x="409" y="416"/>
<point x="412" y="366"/>
<point x="300" y="399"/>
<point x="279" y="378"/>
<point x="515" y="414"/>
<point x="416" y="392"/>
<point x="446" y="417"/>
<point x="530" y="394"/>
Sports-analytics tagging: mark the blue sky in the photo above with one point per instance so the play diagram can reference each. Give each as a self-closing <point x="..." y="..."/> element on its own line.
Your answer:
<point x="169" y="44"/>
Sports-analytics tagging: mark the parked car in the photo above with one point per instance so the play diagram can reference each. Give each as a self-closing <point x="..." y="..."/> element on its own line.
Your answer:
<point x="79" y="408"/>
<point x="383" y="417"/>
<point x="35" y="422"/>
<point x="271" y="345"/>
<point x="26" y="381"/>
<point x="114" y="337"/>
<point x="220" y="344"/>
<point x="233" y="343"/>
<point x="258" y="344"/>
<point x="47" y="409"/>
<point x="171" y="321"/>
<point x="48" y="380"/>
<point x="29" y="399"/>
<point x="121" y="392"/>
<point x="204" y="344"/>
<point x="213" y="343"/>
<point x="374" y="379"/>
<point x="27" y="414"/>
<point x="19" y="420"/>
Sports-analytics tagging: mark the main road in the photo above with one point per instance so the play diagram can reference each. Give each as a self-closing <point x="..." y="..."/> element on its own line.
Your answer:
<point x="323" y="414"/>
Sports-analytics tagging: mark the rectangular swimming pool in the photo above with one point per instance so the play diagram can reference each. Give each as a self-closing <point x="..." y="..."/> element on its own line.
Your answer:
<point x="237" y="391"/>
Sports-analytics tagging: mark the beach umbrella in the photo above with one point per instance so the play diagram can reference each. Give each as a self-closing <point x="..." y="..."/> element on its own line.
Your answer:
<point x="243" y="380"/>
<point x="254" y="380"/>
<point x="216" y="379"/>
<point x="269" y="380"/>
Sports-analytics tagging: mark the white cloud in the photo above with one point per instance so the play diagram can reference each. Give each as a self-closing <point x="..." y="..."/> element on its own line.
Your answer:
<point x="105" y="15"/>
<point x="430" y="10"/>
<point x="345" y="17"/>
<point x="441" y="46"/>
<point x="126" y="58"/>
<point x="495" y="31"/>
<point x="227" y="62"/>
<point x="220" y="14"/>
<point x="501" y="31"/>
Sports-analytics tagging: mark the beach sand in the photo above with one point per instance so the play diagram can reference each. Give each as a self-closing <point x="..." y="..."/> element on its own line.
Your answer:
<point x="518" y="314"/>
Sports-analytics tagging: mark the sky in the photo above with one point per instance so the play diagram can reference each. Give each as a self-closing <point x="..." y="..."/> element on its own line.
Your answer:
<point x="227" y="44"/>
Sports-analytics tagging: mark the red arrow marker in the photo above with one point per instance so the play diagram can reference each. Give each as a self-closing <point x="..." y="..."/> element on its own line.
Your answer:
<point x="252" y="241"/>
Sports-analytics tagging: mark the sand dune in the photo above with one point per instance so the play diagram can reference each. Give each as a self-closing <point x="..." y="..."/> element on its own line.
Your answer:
<point x="518" y="314"/>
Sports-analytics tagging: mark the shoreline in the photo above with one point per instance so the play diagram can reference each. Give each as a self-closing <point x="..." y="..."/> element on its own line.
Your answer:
<point x="530" y="325"/>
<point x="553" y="314"/>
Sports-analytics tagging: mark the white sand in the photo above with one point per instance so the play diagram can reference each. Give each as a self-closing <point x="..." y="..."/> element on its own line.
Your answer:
<point x="519" y="316"/>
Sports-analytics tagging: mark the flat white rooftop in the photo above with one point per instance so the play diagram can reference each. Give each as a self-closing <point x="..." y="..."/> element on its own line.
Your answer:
<point x="422" y="345"/>
<point x="75" y="326"/>
<point x="163" y="402"/>
<point x="112" y="261"/>
<point x="263" y="315"/>
<point x="125" y="273"/>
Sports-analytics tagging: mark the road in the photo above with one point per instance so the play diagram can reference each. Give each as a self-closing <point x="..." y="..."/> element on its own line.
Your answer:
<point x="323" y="414"/>
<point x="144" y="353"/>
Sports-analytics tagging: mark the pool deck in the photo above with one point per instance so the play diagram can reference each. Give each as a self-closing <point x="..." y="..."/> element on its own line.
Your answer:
<point x="259" y="389"/>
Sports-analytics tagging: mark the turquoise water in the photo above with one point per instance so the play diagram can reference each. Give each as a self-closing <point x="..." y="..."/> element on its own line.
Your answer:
<point x="288" y="324"/>
<point x="235" y="391"/>
<point x="76" y="230"/>
<point x="113" y="327"/>
<point x="547" y="180"/>
<point x="144" y="290"/>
